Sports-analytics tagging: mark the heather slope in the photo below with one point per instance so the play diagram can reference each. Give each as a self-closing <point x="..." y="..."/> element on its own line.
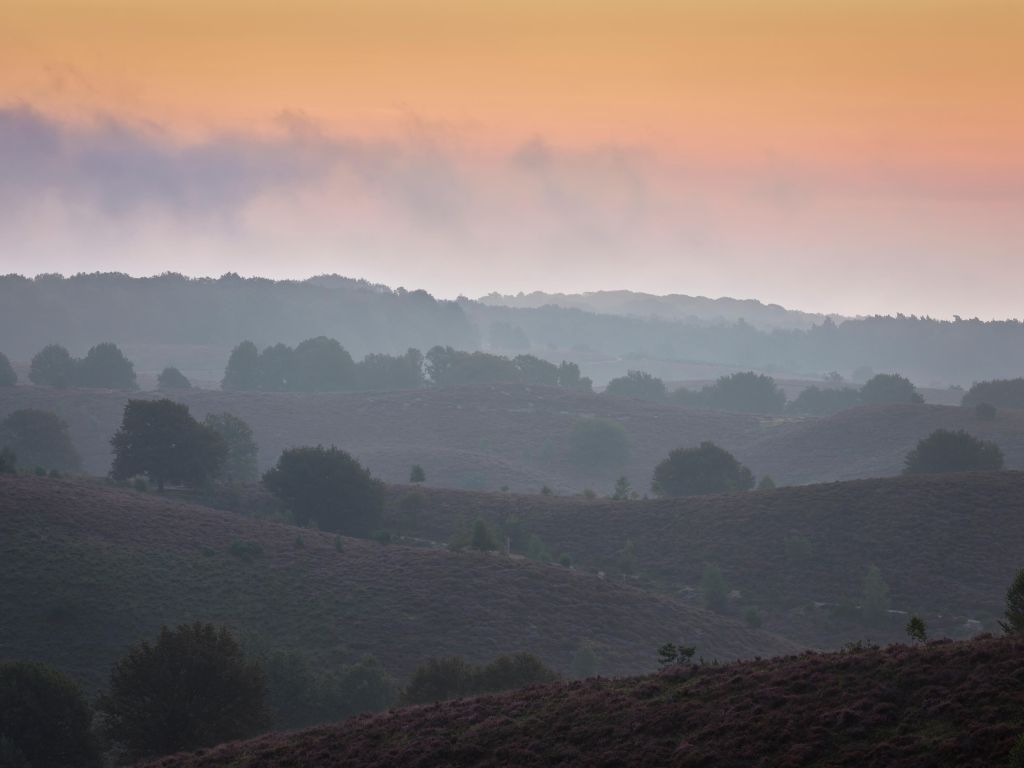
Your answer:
<point x="947" y="704"/>
<point x="86" y="570"/>
<point x="947" y="545"/>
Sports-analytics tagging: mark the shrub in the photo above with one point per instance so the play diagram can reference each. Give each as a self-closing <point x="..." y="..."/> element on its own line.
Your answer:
<point x="8" y="378"/>
<point x="417" y="475"/>
<point x="105" y="367"/>
<point x="875" y="601"/>
<point x="622" y="490"/>
<point x="45" y="720"/>
<point x="171" y="378"/>
<point x="192" y="688"/>
<point x="886" y="388"/>
<point x="766" y="483"/>
<point x="536" y="550"/>
<point x="985" y="412"/>
<point x="240" y="463"/>
<point x="670" y="654"/>
<point x="946" y="451"/>
<point x="482" y="538"/>
<point x="39" y="439"/>
<point x="916" y="629"/>
<point x="160" y="439"/>
<point x="815" y="401"/>
<point x="328" y="487"/>
<point x="52" y="366"/>
<point x="1014" y="615"/>
<point x="637" y="384"/>
<point x="598" y="445"/>
<point x="705" y="469"/>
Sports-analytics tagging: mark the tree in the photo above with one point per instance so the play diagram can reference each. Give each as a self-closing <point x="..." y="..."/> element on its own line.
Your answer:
<point x="45" y="719"/>
<point x="276" y="368"/>
<point x="985" y="412"/>
<point x="584" y="661"/>
<point x="533" y="370"/>
<point x="886" y="388"/>
<point x="52" y="366"/>
<point x="815" y="401"/>
<point x="39" y="439"/>
<point x="598" y="445"/>
<point x="328" y="487"/>
<point x="713" y="589"/>
<point x="417" y="475"/>
<point x="160" y="439"/>
<point x="746" y="392"/>
<point x="946" y="451"/>
<point x="482" y="538"/>
<point x="105" y="367"/>
<point x="243" y="370"/>
<point x="1014" y="624"/>
<point x="766" y="483"/>
<point x="916" y="629"/>
<point x="192" y="688"/>
<point x="622" y="489"/>
<point x="569" y="378"/>
<point x="242" y="451"/>
<point x="1002" y="393"/>
<point x="8" y="378"/>
<point x="382" y="372"/>
<point x="637" y="384"/>
<point x="321" y="365"/>
<point x="875" y="605"/>
<point x="671" y="654"/>
<point x="695" y="471"/>
<point x="171" y="378"/>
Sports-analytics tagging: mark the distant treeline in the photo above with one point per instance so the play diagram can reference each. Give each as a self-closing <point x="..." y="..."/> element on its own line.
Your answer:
<point x="215" y="312"/>
<point x="322" y="364"/>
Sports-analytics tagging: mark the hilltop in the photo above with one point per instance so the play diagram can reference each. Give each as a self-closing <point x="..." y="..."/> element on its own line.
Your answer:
<point x="947" y="545"/>
<point x="484" y="438"/>
<point x="946" y="704"/>
<point x="87" y="569"/>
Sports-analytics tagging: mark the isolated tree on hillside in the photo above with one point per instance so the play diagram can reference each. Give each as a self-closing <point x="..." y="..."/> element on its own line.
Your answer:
<point x="417" y="475"/>
<point x="39" y="439"/>
<point x="1014" y="624"/>
<point x="243" y="370"/>
<point x="8" y="378"/>
<point x="946" y="451"/>
<point x="705" y="469"/>
<point x="598" y="445"/>
<point x="240" y="464"/>
<point x="322" y="365"/>
<point x="192" y="688"/>
<point x="746" y="392"/>
<point x="328" y="487"/>
<point x="171" y="378"/>
<point x="887" y="388"/>
<point x="53" y="366"/>
<point x="105" y="367"/>
<point x="45" y="719"/>
<point x="638" y="384"/>
<point x="160" y="439"/>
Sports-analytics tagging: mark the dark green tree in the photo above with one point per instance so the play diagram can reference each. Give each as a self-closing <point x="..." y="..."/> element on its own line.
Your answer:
<point x="277" y="368"/>
<point x="637" y="384"/>
<point x="886" y="388"/>
<point x="190" y="689"/>
<point x="321" y="365"/>
<point x="482" y="538"/>
<point x="171" y="378"/>
<point x="240" y="464"/>
<point x="417" y="475"/>
<point x="623" y="490"/>
<point x="53" y="366"/>
<point x="695" y="471"/>
<point x="746" y="392"/>
<point x="243" y="370"/>
<point x="328" y="487"/>
<point x="598" y="445"/>
<point x="569" y="378"/>
<point x="45" y="719"/>
<point x="670" y="654"/>
<point x="533" y="370"/>
<point x="39" y="439"/>
<point x="105" y="367"/>
<point x="160" y="439"/>
<point x="946" y="451"/>
<point x="1014" y="615"/>
<point x="384" y="372"/>
<point x="916" y="629"/>
<point x="8" y="378"/>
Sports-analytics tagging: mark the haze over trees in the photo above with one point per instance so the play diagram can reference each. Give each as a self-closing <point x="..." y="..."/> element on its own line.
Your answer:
<point x="240" y="463"/>
<point x="888" y="388"/>
<point x="103" y="367"/>
<point x="1002" y="393"/>
<point x="818" y="401"/>
<point x="701" y="470"/>
<point x="39" y="439"/>
<point x="329" y="488"/>
<point x="746" y="392"/>
<point x="598" y="445"/>
<point x="947" y="451"/>
<point x="639" y="385"/>
<point x="8" y="378"/>
<point x="161" y="440"/>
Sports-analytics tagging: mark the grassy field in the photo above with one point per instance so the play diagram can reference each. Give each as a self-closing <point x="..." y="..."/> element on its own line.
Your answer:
<point x="948" y="546"/>
<point x="484" y="438"/>
<point x="87" y="569"/>
<point x="947" y="704"/>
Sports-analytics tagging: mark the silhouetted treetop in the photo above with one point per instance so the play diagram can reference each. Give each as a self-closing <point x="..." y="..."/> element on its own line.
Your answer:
<point x="947" y="451"/>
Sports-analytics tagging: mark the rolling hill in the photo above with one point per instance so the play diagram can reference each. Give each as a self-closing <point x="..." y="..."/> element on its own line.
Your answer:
<point x="484" y="438"/>
<point x="948" y="545"/>
<point x="87" y="569"/>
<point x="946" y="704"/>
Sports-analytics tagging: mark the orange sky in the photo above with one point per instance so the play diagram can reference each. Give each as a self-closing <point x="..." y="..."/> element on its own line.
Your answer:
<point x="887" y="98"/>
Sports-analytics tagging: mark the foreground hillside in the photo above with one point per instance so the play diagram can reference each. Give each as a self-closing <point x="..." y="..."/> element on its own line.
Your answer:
<point x="948" y="545"/>
<point x="948" y="704"/>
<point x="485" y="438"/>
<point x="86" y="570"/>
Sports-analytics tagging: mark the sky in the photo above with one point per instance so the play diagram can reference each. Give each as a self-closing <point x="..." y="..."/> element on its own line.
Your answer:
<point x="850" y="156"/>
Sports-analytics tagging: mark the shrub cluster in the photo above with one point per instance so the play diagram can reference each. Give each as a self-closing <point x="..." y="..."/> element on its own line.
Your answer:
<point x="104" y="367"/>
